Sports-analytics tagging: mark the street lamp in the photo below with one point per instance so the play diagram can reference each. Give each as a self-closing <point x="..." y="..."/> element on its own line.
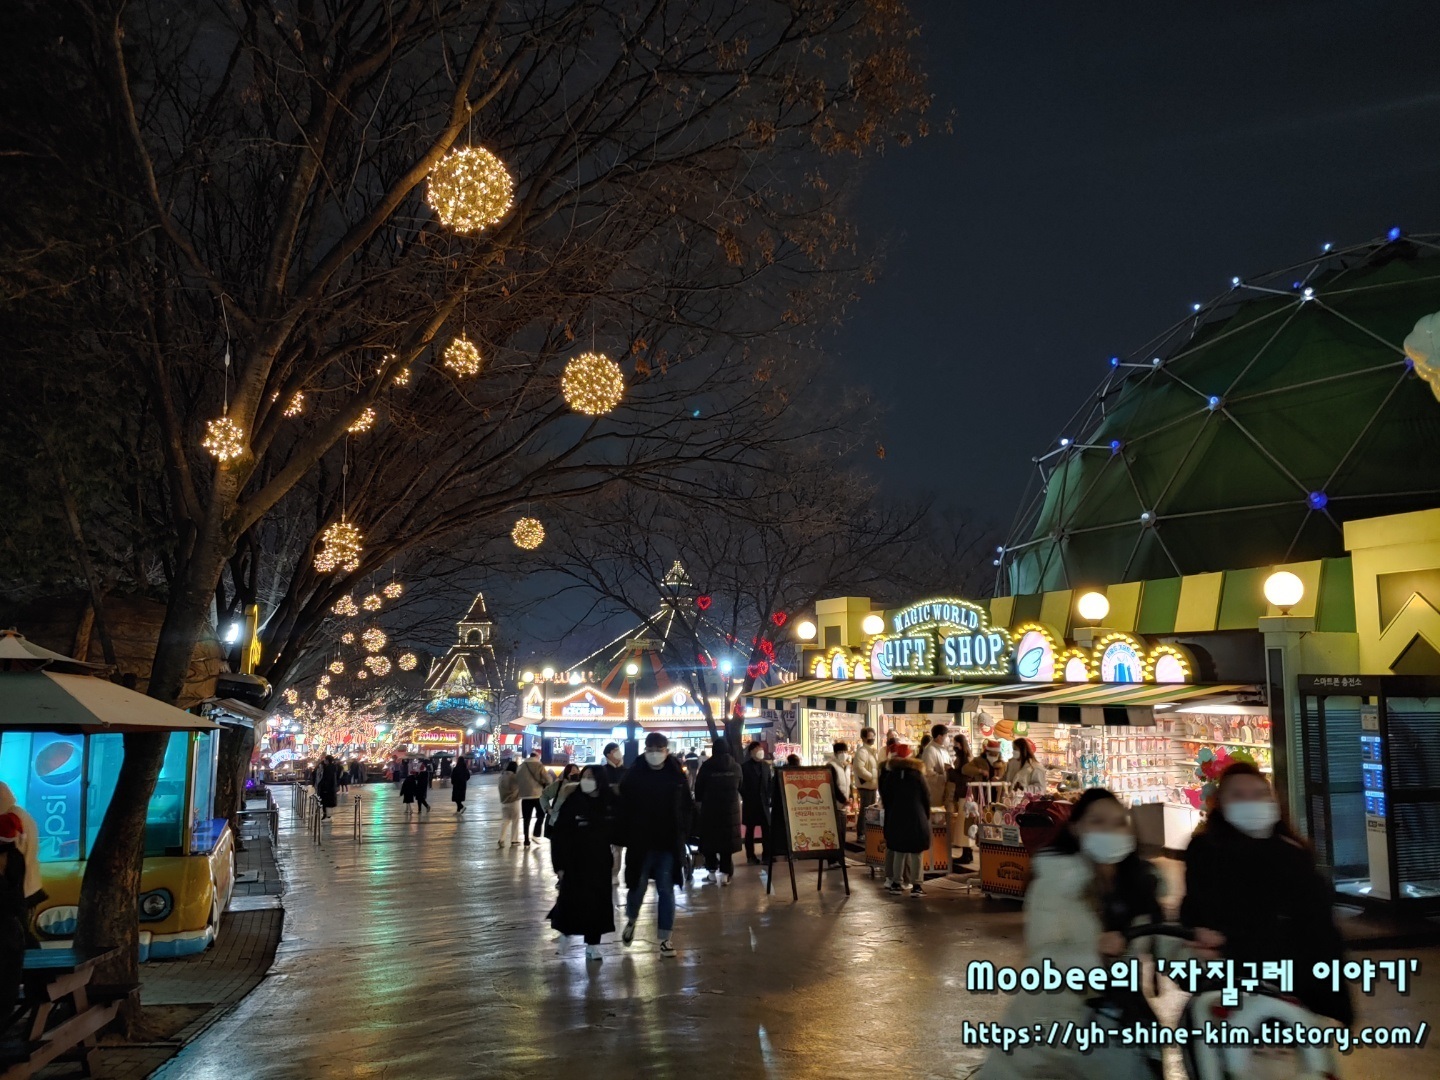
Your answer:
<point x="1284" y="590"/>
<point x="632" y="739"/>
<point x="872" y="624"/>
<point x="1093" y="607"/>
<point x="547" y="673"/>
<point x="805" y="631"/>
<point x="528" y="677"/>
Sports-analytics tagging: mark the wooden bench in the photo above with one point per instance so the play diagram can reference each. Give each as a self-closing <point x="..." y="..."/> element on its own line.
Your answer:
<point x="59" y="1018"/>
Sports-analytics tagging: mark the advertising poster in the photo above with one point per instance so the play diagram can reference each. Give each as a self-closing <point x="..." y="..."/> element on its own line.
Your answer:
<point x="810" y="811"/>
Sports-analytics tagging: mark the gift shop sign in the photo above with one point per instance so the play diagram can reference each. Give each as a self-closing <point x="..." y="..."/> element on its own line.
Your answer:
<point x="939" y="638"/>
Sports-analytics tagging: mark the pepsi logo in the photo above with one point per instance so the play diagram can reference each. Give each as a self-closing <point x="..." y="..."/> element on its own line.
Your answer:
<point x="58" y="762"/>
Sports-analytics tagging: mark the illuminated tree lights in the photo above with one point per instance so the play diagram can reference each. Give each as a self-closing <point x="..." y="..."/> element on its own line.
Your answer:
<point x="225" y="439"/>
<point x="408" y="661"/>
<point x="372" y="602"/>
<point x="337" y="667"/>
<point x="528" y="534"/>
<point x="593" y="384"/>
<point x="380" y="665"/>
<point x="393" y="590"/>
<point x="364" y="422"/>
<point x="373" y="639"/>
<point x="348" y="638"/>
<point x="345" y="606"/>
<point x="296" y="405"/>
<point x="292" y="696"/>
<point x="401" y="377"/>
<point x="463" y="358"/>
<point x="362" y="674"/>
<point x="339" y="547"/>
<point x="470" y="189"/>
<point x="321" y="693"/>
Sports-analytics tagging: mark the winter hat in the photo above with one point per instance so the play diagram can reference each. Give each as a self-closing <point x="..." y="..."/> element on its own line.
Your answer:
<point x="992" y="745"/>
<point x="10" y="829"/>
<point x="902" y="750"/>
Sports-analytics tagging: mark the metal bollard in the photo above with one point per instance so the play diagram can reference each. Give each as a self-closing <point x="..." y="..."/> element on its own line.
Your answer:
<point x="316" y="813"/>
<point x="355" y="829"/>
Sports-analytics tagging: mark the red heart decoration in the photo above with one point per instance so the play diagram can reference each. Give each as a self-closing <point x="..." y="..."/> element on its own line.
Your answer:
<point x="779" y="618"/>
<point x="753" y="670"/>
<point x="763" y="666"/>
<point x="768" y="648"/>
<point x="703" y="603"/>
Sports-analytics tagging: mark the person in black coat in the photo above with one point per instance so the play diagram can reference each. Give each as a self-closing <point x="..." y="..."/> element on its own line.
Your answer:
<point x="459" y="781"/>
<point x="717" y="791"/>
<point x="906" y="797"/>
<point x="1253" y="892"/>
<point x="407" y="792"/>
<point x="421" y="775"/>
<point x="327" y="785"/>
<point x="655" y="800"/>
<point x="580" y="854"/>
<point x="757" y="776"/>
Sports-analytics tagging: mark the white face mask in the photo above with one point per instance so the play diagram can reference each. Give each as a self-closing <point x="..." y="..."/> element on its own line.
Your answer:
<point x="614" y="757"/>
<point x="757" y="755"/>
<point x="1107" y="847"/>
<point x="992" y="755"/>
<point x="589" y="785"/>
<point x="1256" y="818"/>
<point x="842" y="758"/>
<point x="656" y="758"/>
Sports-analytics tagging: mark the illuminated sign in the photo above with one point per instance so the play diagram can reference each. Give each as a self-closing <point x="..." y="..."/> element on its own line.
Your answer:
<point x="585" y="708"/>
<point x="941" y="638"/>
<point x="1075" y="666"/>
<point x="1121" y="659"/>
<point x="55" y="771"/>
<point x="841" y="663"/>
<point x="1169" y="664"/>
<point x="439" y="737"/>
<point x="1035" y="654"/>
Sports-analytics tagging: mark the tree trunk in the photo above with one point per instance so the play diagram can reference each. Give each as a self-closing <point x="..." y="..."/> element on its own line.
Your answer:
<point x="237" y="743"/>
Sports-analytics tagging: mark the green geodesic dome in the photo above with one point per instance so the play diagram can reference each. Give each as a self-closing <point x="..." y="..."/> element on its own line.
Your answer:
<point x="1247" y="434"/>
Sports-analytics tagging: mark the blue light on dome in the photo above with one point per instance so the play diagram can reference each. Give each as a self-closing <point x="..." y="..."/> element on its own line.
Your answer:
<point x="1114" y="361"/>
<point x="1325" y="247"/>
<point x="1064" y="442"/>
<point x="1317" y="500"/>
<point x="1116" y="446"/>
<point x="1214" y="402"/>
<point x="1195" y="306"/>
<point x="1234" y="281"/>
<point x="1394" y="233"/>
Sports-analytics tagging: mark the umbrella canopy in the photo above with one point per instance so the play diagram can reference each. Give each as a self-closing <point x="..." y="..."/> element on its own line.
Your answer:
<point x="48" y="700"/>
<point x="16" y="648"/>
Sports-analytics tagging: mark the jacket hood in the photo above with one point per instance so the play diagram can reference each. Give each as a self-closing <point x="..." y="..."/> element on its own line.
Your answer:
<point x="898" y="763"/>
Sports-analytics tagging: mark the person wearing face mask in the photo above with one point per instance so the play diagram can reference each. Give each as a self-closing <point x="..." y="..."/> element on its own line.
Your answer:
<point x="756" y="777"/>
<point x="717" y="793"/>
<point x="1253" y="893"/>
<point x="839" y="761"/>
<point x="937" y="759"/>
<point x="907" y="821"/>
<point x="657" y="808"/>
<point x="613" y="767"/>
<point x="867" y="779"/>
<point x="580" y="854"/>
<point x="1024" y="770"/>
<point x="1085" y="888"/>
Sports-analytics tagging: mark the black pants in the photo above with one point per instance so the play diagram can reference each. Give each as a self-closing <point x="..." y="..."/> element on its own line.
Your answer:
<point x="528" y="807"/>
<point x="867" y="799"/>
<point x="422" y="795"/>
<point x="724" y="861"/>
<point x="750" y="841"/>
<point x="592" y="939"/>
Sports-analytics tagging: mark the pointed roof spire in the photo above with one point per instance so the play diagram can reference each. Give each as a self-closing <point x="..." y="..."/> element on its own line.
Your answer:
<point x="478" y="612"/>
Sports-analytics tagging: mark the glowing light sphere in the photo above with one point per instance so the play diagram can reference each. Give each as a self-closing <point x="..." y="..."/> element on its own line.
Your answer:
<point x="372" y="602"/>
<point x="873" y="624"/>
<point x="324" y="680"/>
<point x="805" y="631"/>
<point x="408" y="661"/>
<point x="373" y="639"/>
<point x="225" y="439"/>
<point x="340" y="547"/>
<point x="528" y="534"/>
<point x="364" y="422"/>
<point x="470" y="189"/>
<point x="321" y="693"/>
<point x="362" y="674"/>
<point x="463" y="358"/>
<point x="1284" y="590"/>
<point x="345" y="606"/>
<point x="296" y="405"/>
<point x="292" y="696"/>
<point x="380" y="665"/>
<point x="593" y="384"/>
<point x="393" y="590"/>
<point x="348" y="638"/>
<point x="337" y="667"/>
<point x="1093" y="607"/>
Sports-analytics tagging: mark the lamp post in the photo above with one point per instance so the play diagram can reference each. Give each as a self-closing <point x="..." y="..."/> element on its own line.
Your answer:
<point x="1284" y="635"/>
<point x="632" y="741"/>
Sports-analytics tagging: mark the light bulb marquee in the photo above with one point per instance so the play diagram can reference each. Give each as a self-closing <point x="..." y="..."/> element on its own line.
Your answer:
<point x="841" y="663"/>
<point x="942" y="638"/>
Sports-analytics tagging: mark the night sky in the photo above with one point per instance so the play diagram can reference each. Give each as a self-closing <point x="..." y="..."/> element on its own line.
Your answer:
<point x="1111" y="164"/>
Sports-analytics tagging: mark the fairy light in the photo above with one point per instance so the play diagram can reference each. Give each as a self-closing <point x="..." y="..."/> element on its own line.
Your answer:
<point x="292" y="696"/>
<point x="340" y="547"/>
<point x="528" y="534"/>
<point x="225" y="439"/>
<point x="401" y="377"/>
<point x="470" y="189"/>
<point x="296" y="405"/>
<point x="364" y="422"/>
<point x="337" y="667"/>
<point x="324" y="680"/>
<point x="362" y="674"/>
<point x="347" y="638"/>
<point x="345" y="606"/>
<point x="463" y="358"/>
<point x="380" y="665"/>
<point x="373" y="639"/>
<point x="321" y="693"/>
<point x="593" y="384"/>
<point x="408" y="661"/>
<point x="372" y="602"/>
<point x="393" y="590"/>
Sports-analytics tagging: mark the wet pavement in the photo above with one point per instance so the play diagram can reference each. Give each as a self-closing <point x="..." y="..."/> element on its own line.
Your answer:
<point x="423" y="952"/>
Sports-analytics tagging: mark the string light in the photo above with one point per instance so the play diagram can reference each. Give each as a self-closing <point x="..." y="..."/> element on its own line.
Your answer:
<point x="470" y="189"/>
<point x="408" y="661"/>
<point x="321" y="693"/>
<point x="296" y="406"/>
<point x="340" y="547"/>
<point x="373" y="639"/>
<point x="372" y="602"/>
<point x="292" y="696"/>
<point x="224" y="438"/>
<point x="337" y="667"/>
<point x="401" y="377"/>
<point x="393" y="590"/>
<point x="593" y="384"/>
<point x="463" y="358"/>
<point x="345" y="606"/>
<point x="380" y="665"/>
<point x="362" y="674"/>
<point x="364" y="422"/>
<point x="324" y="680"/>
<point x="528" y="534"/>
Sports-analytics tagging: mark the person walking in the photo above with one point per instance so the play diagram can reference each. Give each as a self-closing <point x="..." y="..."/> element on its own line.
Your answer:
<point x="655" y="800"/>
<point x="459" y="781"/>
<point x="1254" y="894"/>
<point x="534" y="778"/>
<point x="509" y="792"/>
<point x="756" y="777"/>
<point x="407" y="792"/>
<point x="327" y="785"/>
<point x="867" y="779"/>
<point x="957" y="793"/>
<point x="357" y="772"/>
<point x="613" y="769"/>
<point x="344" y="774"/>
<point x="906" y="797"/>
<point x="580" y="853"/>
<point x="717" y="793"/>
<point x="556" y="792"/>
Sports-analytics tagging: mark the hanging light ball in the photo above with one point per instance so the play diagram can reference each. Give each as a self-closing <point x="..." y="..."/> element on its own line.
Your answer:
<point x="345" y="606"/>
<point x="408" y="661"/>
<point x="373" y="639"/>
<point x="296" y="405"/>
<point x="528" y="533"/>
<point x="372" y="602"/>
<point x="321" y="693"/>
<point x="362" y="674"/>
<point x="463" y="358"/>
<point x="364" y="422"/>
<point x="348" y="638"/>
<point x="225" y="439"/>
<point x="292" y="696"/>
<point x="380" y="665"/>
<point x="593" y="384"/>
<point x="393" y="590"/>
<point x="470" y="189"/>
<point x="324" y="680"/>
<point x="337" y="667"/>
<point x="339" y="548"/>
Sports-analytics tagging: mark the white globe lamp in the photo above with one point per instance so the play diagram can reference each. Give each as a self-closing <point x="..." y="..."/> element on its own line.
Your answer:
<point x="872" y="624"/>
<point x="1093" y="607"/>
<point x="1284" y="590"/>
<point x="805" y="631"/>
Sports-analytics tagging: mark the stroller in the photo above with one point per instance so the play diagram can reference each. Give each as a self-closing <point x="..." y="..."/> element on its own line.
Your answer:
<point x="1209" y="1061"/>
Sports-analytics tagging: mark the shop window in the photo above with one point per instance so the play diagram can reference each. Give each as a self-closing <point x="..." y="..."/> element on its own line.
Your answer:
<point x="107" y="753"/>
<point x="832" y="637"/>
<point x="44" y="772"/>
<point x="205" y="828"/>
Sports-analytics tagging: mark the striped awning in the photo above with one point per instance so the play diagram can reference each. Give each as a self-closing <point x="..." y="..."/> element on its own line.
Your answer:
<point x="1125" y="693"/>
<point x="827" y="694"/>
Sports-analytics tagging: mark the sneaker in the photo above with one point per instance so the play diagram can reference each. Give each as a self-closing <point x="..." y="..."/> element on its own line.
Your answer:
<point x="514" y="843"/>
<point x="724" y="879"/>
<point x="527" y="843"/>
<point x="916" y="890"/>
<point x="628" y="934"/>
<point x="501" y="844"/>
<point x="592" y="954"/>
<point x="896" y="888"/>
<point x="667" y="949"/>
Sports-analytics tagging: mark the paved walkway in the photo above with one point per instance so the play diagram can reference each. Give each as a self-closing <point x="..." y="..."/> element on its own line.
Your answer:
<point x="422" y="952"/>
